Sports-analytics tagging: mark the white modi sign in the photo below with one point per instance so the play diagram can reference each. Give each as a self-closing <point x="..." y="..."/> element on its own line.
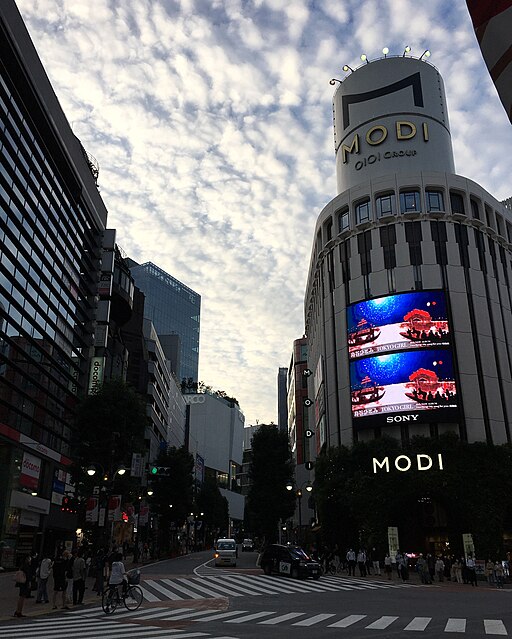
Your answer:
<point x="403" y="463"/>
<point x="390" y="116"/>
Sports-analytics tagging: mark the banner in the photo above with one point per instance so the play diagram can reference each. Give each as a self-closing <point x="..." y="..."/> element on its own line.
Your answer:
<point x="30" y="470"/>
<point x="468" y="545"/>
<point x="137" y="466"/>
<point x="114" y="508"/>
<point x="143" y="514"/>
<point x="92" y="509"/>
<point x="393" y="542"/>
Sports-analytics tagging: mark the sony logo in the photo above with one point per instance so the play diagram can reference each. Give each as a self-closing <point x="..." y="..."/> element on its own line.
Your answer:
<point x="376" y="135"/>
<point x="404" y="463"/>
<point x="401" y="418"/>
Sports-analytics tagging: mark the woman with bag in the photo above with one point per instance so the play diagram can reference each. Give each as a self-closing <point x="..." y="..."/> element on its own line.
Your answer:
<point x="22" y="578"/>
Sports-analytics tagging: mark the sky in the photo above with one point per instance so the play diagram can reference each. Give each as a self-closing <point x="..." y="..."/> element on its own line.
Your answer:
<point x="211" y="121"/>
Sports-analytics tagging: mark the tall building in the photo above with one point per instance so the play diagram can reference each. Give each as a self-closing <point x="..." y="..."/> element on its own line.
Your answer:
<point x="175" y="310"/>
<point x="298" y="414"/>
<point x="408" y="301"/>
<point x="52" y="219"/>
<point x="282" y="407"/>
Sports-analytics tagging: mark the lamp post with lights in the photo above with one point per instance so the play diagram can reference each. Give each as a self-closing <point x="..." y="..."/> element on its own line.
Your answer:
<point x="298" y="495"/>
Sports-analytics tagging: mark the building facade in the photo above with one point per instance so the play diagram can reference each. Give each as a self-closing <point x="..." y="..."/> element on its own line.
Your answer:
<point x="52" y="219"/>
<point x="408" y="300"/>
<point x="174" y="310"/>
<point x="282" y="399"/>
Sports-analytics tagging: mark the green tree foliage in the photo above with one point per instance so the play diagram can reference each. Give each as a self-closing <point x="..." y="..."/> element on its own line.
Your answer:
<point x="172" y="494"/>
<point x="214" y="506"/>
<point x="471" y="493"/>
<point x="270" y="470"/>
<point x="109" y="427"/>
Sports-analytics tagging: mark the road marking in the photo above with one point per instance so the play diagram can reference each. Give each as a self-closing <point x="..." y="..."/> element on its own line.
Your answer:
<point x="207" y="591"/>
<point x="381" y="623"/>
<point x="223" y="615"/>
<point x="494" y="627"/>
<point x="182" y="589"/>
<point x="418" y="623"/>
<point x="187" y="615"/>
<point x="347" y="621"/>
<point x="281" y="618"/>
<point x="255" y="615"/>
<point x="149" y="596"/>
<point x="168" y="593"/>
<point x="259" y="586"/>
<point x="313" y="620"/>
<point x="455" y="625"/>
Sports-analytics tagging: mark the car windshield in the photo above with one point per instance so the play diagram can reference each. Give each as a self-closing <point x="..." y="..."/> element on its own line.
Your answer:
<point x="299" y="553"/>
<point x="247" y="541"/>
<point x="226" y="545"/>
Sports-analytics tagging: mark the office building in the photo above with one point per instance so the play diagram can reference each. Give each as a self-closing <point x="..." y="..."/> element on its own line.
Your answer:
<point x="408" y="301"/>
<point x="175" y="310"/>
<point x="52" y="219"/>
<point x="282" y="408"/>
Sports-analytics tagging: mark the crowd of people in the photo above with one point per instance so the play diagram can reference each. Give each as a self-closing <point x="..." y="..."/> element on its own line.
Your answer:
<point x="429" y="567"/>
<point x="69" y="572"/>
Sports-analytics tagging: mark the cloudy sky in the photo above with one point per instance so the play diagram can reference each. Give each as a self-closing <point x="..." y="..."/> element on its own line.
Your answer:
<point x="212" y="124"/>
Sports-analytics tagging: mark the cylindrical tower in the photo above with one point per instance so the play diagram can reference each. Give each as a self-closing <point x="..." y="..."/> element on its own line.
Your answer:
<point x="408" y="300"/>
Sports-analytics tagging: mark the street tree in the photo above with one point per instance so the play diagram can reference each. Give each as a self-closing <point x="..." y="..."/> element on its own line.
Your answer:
<point x="215" y="509"/>
<point x="271" y="469"/>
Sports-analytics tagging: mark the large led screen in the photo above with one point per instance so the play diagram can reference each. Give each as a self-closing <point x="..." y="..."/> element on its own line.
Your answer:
<point x="393" y="323"/>
<point x="404" y="382"/>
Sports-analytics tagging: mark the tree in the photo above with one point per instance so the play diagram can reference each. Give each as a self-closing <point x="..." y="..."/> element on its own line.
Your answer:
<point x="172" y="493"/>
<point x="270" y="470"/>
<point x="214" y="506"/>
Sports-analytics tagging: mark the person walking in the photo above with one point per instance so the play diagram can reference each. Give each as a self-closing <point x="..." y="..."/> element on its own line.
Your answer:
<point x="457" y="566"/>
<point x="351" y="560"/>
<point x="404" y="567"/>
<point x="23" y="577"/>
<point x="59" y="579"/>
<point x="78" y="571"/>
<point x="99" y="564"/>
<point x="471" y="569"/>
<point x="440" y="569"/>
<point x="388" y="566"/>
<point x="361" y="562"/>
<point x="489" y="572"/>
<point x="499" y="574"/>
<point x="375" y="562"/>
<point x="42" y="573"/>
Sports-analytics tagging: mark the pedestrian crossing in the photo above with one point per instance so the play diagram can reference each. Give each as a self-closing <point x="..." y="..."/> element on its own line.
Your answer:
<point x="92" y="627"/>
<point x="240" y="585"/>
<point x="298" y="619"/>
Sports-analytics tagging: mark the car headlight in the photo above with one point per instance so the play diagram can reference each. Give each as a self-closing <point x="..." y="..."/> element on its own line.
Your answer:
<point x="216" y="555"/>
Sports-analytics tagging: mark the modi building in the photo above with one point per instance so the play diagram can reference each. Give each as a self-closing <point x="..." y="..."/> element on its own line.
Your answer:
<point x="408" y="300"/>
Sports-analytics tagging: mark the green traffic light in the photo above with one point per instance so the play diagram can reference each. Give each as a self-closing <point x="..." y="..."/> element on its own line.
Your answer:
<point x="154" y="470"/>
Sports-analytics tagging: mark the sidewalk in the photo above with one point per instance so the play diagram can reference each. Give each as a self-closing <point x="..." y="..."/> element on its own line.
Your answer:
<point x="9" y="596"/>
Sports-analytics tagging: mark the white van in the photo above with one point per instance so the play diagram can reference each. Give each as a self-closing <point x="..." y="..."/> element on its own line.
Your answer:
<point x="225" y="552"/>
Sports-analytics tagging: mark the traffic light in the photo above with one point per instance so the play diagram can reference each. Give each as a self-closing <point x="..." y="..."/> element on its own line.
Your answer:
<point x="160" y="471"/>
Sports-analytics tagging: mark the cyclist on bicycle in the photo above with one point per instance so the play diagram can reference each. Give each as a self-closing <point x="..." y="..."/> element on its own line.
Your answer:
<point x="118" y="575"/>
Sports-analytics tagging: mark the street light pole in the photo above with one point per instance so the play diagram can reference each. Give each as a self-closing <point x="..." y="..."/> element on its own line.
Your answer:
<point x="299" y="499"/>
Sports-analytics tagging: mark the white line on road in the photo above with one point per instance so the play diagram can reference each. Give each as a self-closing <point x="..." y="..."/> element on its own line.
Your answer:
<point x="347" y="621"/>
<point x="381" y="623"/>
<point x="313" y="620"/>
<point x="455" y="625"/>
<point x="281" y="618"/>
<point x="418" y="623"/>
<point x="168" y="593"/>
<point x="494" y="627"/>
<point x="255" y="615"/>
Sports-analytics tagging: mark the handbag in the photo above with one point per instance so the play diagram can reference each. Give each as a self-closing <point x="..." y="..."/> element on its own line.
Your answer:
<point x="20" y="577"/>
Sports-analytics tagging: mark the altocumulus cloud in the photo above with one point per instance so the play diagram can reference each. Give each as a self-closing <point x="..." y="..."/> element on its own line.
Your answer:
<point x="211" y="121"/>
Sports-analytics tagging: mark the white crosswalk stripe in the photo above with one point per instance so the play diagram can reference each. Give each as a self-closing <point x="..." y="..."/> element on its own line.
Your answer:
<point x="75" y="626"/>
<point x="292" y="619"/>
<point x="242" y="585"/>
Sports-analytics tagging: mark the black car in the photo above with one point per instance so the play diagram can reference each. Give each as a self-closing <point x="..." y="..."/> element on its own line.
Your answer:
<point x="289" y="560"/>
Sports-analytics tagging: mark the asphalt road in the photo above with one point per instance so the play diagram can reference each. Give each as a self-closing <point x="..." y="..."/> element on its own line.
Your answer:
<point x="433" y="611"/>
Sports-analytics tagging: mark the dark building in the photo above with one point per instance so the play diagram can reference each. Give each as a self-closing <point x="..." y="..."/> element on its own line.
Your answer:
<point x="52" y="220"/>
<point x="282" y="397"/>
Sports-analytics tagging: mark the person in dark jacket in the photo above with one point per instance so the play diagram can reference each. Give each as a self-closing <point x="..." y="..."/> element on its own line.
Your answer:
<point x="23" y="585"/>
<point x="60" y="566"/>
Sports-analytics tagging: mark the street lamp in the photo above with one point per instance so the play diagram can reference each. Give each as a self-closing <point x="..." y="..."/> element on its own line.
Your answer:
<point x="298" y="495"/>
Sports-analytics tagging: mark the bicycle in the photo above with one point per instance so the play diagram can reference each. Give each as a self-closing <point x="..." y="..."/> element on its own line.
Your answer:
<point x="131" y="596"/>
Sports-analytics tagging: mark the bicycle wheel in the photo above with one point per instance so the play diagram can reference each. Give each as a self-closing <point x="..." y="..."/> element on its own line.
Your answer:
<point x="110" y="601"/>
<point x="133" y="598"/>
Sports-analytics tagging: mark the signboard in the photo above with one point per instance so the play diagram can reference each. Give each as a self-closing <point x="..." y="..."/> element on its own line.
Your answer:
<point x="30" y="471"/>
<point x="92" y="509"/>
<point x="468" y="545"/>
<point x="393" y="542"/>
<point x="143" y="514"/>
<point x="96" y="373"/>
<point x="401" y="367"/>
<point x="137" y="465"/>
<point x="114" y="508"/>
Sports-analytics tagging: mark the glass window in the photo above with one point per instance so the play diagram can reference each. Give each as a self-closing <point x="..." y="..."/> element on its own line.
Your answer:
<point x="435" y="201"/>
<point x="475" y="211"/>
<point x="385" y="205"/>
<point x="457" y="203"/>
<point x="363" y="211"/>
<point x="343" y="219"/>
<point x="410" y="201"/>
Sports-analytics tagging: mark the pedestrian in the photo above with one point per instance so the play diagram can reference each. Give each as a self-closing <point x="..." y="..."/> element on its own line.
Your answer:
<point x="471" y="568"/>
<point x="59" y="579"/>
<point x="457" y="566"/>
<point x="99" y="564"/>
<point x="23" y="577"/>
<point x="375" y="562"/>
<point x="404" y="567"/>
<point x="431" y="561"/>
<point x="440" y="568"/>
<point x="78" y="571"/>
<point x="398" y="561"/>
<point x="489" y="572"/>
<point x="388" y="566"/>
<point x="42" y="573"/>
<point x="499" y="573"/>
<point x="70" y="559"/>
<point x="351" y="559"/>
<point x="361" y="562"/>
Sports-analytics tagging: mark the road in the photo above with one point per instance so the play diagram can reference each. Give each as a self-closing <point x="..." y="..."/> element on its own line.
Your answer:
<point x="188" y="597"/>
